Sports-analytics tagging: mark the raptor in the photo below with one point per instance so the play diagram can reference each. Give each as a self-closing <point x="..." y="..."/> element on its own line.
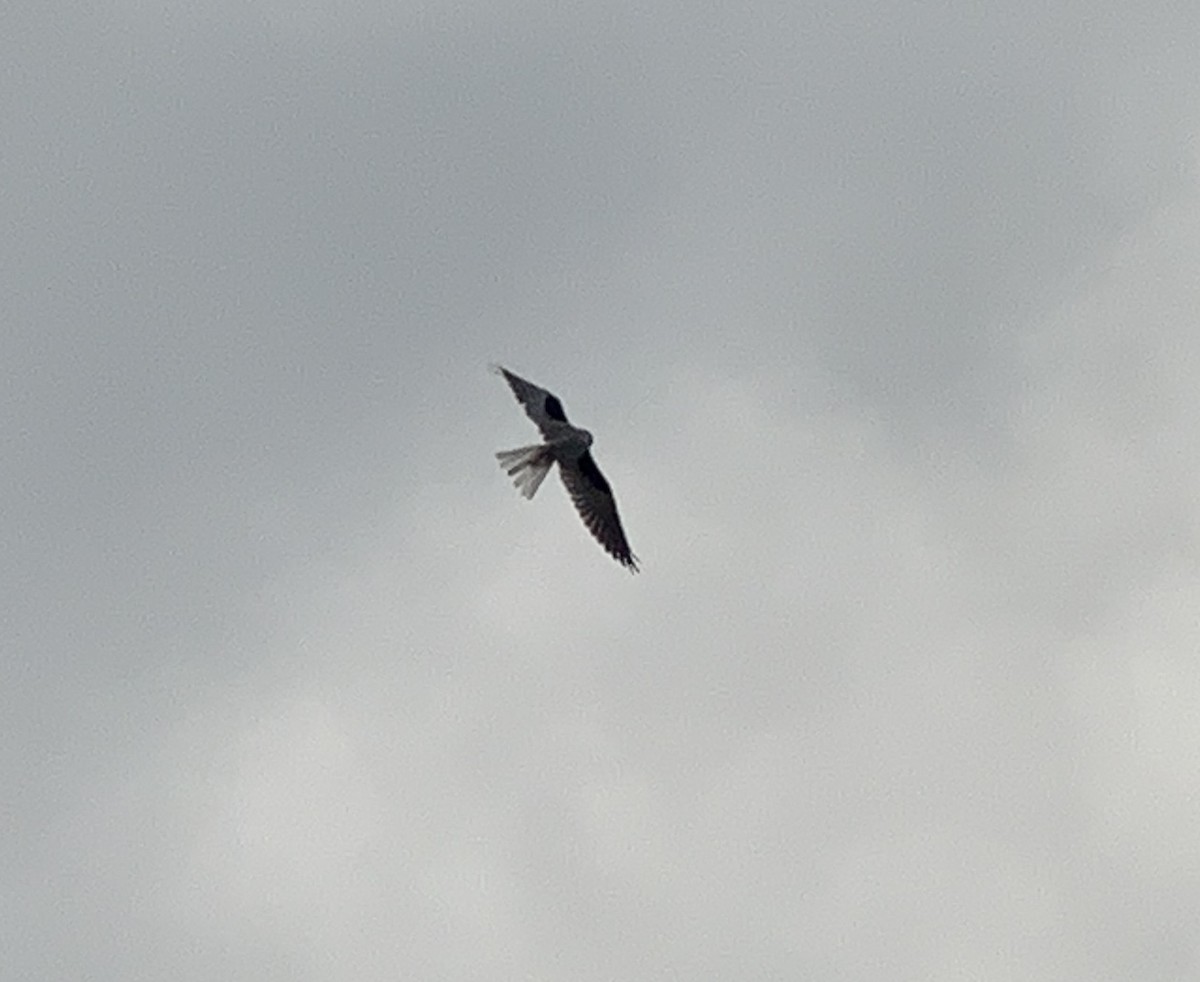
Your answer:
<point x="570" y="448"/>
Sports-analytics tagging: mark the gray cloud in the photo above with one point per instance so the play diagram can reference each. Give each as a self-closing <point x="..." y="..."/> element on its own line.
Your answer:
<point x="883" y="320"/>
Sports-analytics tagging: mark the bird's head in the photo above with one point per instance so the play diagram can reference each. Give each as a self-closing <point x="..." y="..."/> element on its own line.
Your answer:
<point x="587" y="437"/>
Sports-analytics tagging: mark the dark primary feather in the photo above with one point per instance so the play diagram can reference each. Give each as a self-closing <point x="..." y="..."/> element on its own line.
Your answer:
<point x="593" y="499"/>
<point x="540" y="406"/>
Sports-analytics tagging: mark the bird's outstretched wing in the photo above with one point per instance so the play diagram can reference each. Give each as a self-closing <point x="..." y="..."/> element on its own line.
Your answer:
<point x="593" y="499"/>
<point x="541" y="406"/>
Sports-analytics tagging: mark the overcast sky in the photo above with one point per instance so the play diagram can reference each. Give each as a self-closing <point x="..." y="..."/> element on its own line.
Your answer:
<point x="884" y="316"/>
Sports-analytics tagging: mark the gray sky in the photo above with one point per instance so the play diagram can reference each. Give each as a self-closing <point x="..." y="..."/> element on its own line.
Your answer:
<point x="885" y="319"/>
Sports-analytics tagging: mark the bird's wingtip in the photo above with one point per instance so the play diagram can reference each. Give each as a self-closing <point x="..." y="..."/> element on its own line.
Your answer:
<point x="495" y="368"/>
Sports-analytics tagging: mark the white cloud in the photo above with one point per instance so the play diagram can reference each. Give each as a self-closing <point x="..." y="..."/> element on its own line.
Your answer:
<point x="884" y="324"/>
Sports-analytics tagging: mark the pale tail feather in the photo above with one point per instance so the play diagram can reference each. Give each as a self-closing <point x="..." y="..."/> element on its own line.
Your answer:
<point x="528" y="467"/>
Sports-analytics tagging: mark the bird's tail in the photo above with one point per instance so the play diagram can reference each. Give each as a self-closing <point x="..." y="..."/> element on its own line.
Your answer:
<point x="528" y="466"/>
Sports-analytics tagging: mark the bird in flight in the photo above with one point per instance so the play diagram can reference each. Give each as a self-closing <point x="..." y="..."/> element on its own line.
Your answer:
<point x="568" y="446"/>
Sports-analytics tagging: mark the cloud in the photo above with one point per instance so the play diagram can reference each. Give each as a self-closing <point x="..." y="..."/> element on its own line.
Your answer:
<point x="883" y="322"/>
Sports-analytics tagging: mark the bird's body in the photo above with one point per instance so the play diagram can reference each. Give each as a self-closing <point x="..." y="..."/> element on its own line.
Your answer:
<point x="570" y="448"/>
